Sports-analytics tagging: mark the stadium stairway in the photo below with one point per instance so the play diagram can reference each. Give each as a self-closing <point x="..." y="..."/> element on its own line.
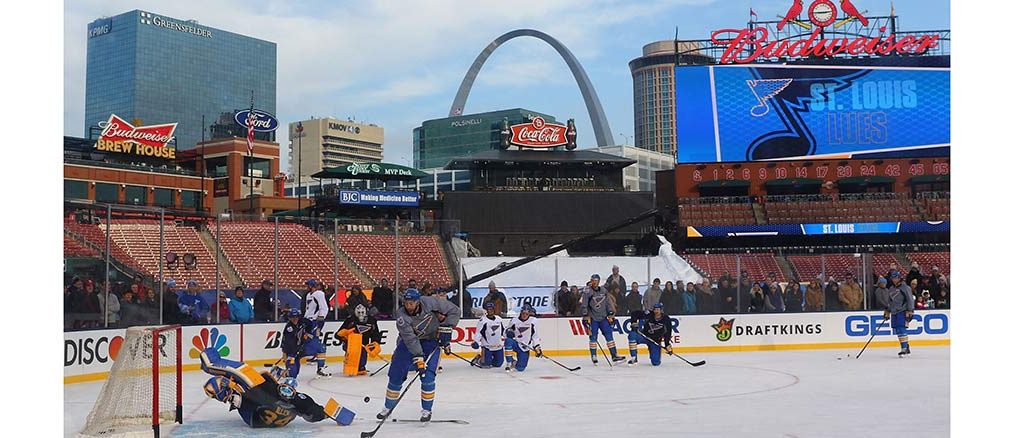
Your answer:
<point x="224" y="265"/>
<point x="787" y="268"/>
<point x="364" y="279"/>
<point x="758" y="214"/>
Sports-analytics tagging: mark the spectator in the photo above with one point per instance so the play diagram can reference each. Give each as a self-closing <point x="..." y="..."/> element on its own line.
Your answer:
<point x="559" y="296"/>
<point x="726" y="276"/>
<point x="689" y="299"/>
<point x="141" y="292"/>
<point x="112" y="310"/>
<point x="851" y="294"/>
<point x="264" y="307"/>
<point x="928" y="300"/>
<point x="943" y="300"/>
<point x="706" y="298"/>
<point x="920" y="303"/>
<point x="726" y="296"/>
<point x="913" y="273"/>
<point x="426" y="291"/>
<point x="135" y="295"/>
<point x="575" y="296"/>
<point x="149" y="308"/>
<point x="73" y="295"/>
<point x="652" y="296"/>
<point x="170" y="304"/>
<point x="193" y="307"/>
<point x="131" y="313"/>
<point x="774" y="298"/>
<point x="924" y="285"/>
<point x="90" y="305"/>
<point x="411" y="284"/>
<point x="466" y="304"/>
<point x="355" y="298"/>
<point x="671" y="301"/>
<point x="832" y="296"/>
<point x="240" y="309"/>
<point x="634" y="300"/>
<point x="880" y="291"/>
<point x="936" y="279"/>
<point x="744" y="288"/>
<point x="793" y="297"/>
<point x="383" y="300"/>
<point x="221" y="309"/>
<point x="756" y="298"/>
<point x="617" y="279"/>
<point x="616" y="298"/>
<point x="498" y="299"/>
<point x="814" y="297"/>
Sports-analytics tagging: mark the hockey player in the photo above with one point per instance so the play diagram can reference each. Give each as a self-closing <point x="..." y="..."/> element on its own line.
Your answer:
<point x="299" y="340"/>
<point x="599" y="315"/>
<point x="316" y="306"/>
<point x="362" y="340"/>
<point x="634" y="336"/>
<point x="522" y="339"/>
<point x="262" y="401"/>
<point x="898" y="305"/>
<point x="489" y="337"/>
<point x="656" y="329"/>
<point x="424" y="323"/>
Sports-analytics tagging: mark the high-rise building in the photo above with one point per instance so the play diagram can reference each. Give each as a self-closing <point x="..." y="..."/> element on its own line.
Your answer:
<point x="438" y="141"/>
<point x="331" y="142"/>
<point x="154" y="69"/>
<point x="654" y="93"/>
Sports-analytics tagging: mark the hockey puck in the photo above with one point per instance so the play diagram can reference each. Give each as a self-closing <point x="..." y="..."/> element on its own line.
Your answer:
<point x="366" y="399"/>
<point x="839" y="358"/>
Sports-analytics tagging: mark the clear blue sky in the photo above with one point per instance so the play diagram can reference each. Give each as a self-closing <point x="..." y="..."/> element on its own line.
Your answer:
<point x="397" y="63"/>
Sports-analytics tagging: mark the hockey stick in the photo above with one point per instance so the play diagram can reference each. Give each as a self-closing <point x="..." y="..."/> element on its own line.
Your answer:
<point x="466" y="360"/>
<point x="398" y="401"/>
<point x="871" y="337"/>
<point x="696" y="364"/>
<point x="608" y="360"/>
<point x="380" y="369"/>
<point x="547" y="357"/>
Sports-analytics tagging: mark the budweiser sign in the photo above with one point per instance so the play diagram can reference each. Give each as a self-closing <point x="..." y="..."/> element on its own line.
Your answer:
<point x="122" y="137"/>
<point x="749" y="45"/>
<point x="538" y="134"/>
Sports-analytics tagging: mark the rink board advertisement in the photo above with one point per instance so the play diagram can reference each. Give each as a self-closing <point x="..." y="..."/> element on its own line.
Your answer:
<point x="817" y="229"/>
<point x="89" y="355"/>
<point x="749" y="113"/>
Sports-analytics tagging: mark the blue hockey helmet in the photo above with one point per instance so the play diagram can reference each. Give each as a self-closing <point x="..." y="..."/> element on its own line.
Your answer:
<point x="411" y="294"/>
<point x="287" y="388"/>
<point x="489" y="305"/>
<point x="293" y="313"/>
<point x="218" y="388"/>
<point x="311" y="282"/>
<point x="658" y="306"/>
<point x="528" y="308"/>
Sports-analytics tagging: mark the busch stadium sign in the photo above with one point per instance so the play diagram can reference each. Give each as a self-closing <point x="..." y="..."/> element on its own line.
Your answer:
<point x="538" y="134"/>
<point x="751" y="44"/>
<point x="146" y="141"/>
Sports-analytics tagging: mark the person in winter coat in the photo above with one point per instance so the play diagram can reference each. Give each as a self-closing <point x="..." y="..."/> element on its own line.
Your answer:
<point x="832" y="296"/>
<point x="264" y="306"/>
<point x="562" y="299"/>
<point x="851" y="294"/>
<point x="220" y="308"/>
<point x="689" y="298"/>
<point x="881" y="290"/>
<point x="913" y="274"/>
<point x="634" y="300"/>
<point x="240" y="309"/>
<point x="756" y="298"/>
<point x="618" y="280"/>
<point x="774" y="297"/>
<point x="814" y="297"/>
<point x="726" y="296"/>
<point x="706" y="298"/>
<point x="112" y="309"/>
<point x="793" y="297"/>
<point x="616" y="297"/>
<point x="652" y="296"/>
<point x="498" y="299"/>
<point x="671" y="301"/>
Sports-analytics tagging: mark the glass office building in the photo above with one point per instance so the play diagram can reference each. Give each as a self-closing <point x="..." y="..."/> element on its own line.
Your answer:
<point x="438" y="141"/>
<point x="155" y="69"/>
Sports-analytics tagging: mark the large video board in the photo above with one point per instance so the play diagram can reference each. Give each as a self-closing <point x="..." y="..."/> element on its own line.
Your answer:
<point x="748" y="113"/>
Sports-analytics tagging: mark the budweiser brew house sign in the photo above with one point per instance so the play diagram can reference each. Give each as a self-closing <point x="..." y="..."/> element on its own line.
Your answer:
<point x="121" y="137"/>
<point x="538" y="134"/>
<point x="751" y="45"/>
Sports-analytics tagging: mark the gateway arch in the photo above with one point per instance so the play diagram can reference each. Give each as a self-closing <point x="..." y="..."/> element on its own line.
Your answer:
<point x="603" y="136"/>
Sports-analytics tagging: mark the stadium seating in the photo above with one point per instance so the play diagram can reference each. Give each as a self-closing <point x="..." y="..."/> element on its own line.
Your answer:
<point x="716" y="265"/>
<point x="139" y="240"/>
<point x="421" y="257"/>
<point x="876" y="207"/>
<point x="302" y="254"/>
<point x="73" y="248"/>
<point x="927" y="260"/>
<point x="739" y="213"/>
<point x="93" y="233"/>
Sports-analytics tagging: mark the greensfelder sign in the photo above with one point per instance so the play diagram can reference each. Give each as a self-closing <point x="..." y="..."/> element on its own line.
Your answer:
<point x="381" y="171"/>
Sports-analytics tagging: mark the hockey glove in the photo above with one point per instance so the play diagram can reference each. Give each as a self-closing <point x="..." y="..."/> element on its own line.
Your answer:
<point x="475" y="345"/>
<point x="887" y="314"/>
<point x="908" y="316"/>
<point x="373" y="350"/>
<point x="668" y="349"/>
<point x="611" y="318"/>
<point x="445" y="335"/>
<point x="586" y="321"/>
<point x="420" y="364"/>
<point x="538" y="351"/>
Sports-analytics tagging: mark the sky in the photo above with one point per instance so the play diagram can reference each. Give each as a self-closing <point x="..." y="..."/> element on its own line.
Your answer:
<point x="398" y="63"/>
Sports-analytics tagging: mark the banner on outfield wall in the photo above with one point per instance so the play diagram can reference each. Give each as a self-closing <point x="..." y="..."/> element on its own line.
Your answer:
<point x="541" y="298"/>
<point x="90" y="354"/>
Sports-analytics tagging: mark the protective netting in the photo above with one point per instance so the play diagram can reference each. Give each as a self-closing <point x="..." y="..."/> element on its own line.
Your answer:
<point x="127" y="403"/>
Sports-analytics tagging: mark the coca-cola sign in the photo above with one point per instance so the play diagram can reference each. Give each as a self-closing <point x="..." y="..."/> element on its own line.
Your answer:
<point x="538" y="134"/>
<point x="149" y="141"/>
<point x="752" y="44"/>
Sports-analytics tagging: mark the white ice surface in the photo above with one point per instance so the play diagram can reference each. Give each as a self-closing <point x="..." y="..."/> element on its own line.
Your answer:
<point x="751" y="394"/>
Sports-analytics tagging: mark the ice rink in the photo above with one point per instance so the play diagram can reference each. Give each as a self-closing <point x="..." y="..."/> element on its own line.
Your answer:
<point x="805" y="393"/>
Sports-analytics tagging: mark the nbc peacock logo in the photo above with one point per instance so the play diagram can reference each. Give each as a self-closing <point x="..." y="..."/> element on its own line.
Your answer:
<point x="209" y="339"/>
<point x="723" y="329"/>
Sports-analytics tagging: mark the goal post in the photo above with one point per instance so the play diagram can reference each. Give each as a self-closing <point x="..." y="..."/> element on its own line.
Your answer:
<point x="144" y="387"/>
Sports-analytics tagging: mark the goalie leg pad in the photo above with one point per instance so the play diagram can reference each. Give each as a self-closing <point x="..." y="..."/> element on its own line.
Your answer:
<point x="339" y="413"/>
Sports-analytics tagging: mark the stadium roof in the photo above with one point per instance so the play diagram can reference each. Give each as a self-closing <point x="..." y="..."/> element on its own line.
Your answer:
<point x="518" y="158"/>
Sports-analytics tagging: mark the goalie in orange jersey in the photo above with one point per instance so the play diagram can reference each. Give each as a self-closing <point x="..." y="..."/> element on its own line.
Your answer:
<point x="362" y="340"/>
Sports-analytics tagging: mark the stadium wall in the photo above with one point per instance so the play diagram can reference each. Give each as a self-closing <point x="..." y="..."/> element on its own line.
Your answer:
<point x="89" y="355"/>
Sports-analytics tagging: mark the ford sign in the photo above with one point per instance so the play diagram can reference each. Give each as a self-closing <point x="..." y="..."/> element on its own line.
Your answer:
<point x="263" y="122"/>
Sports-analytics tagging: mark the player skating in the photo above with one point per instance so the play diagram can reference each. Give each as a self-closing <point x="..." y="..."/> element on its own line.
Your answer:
<point x="262" y="401"/>
<point x="299" y="340"/>
<point x="362" y="340"/>
<point x="599" y="315"/>
<point x="489" y="338"/>
<point x="656" y="329"/>
<point x="898" y="305"/>
<point x="424" y="323"/>
<point x="522" y="339"/>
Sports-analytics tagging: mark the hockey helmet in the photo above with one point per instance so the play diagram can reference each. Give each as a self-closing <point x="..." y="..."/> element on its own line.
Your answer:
<point x="218" y="388"/>
<point x="360" y="312"/>
<point x="528" y="308"/>
<point x="412" y="294"/>
<point x="658" y="306"/>
<point x="293" y="313"/>
<point x="287" y="388"/>
<point x="489" y="305"/>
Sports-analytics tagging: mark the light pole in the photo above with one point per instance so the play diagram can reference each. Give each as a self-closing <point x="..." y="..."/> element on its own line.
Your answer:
<point x="299" y="173"/>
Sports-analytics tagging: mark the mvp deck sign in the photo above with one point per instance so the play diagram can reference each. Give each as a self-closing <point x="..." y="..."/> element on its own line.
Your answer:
<point x="147" y="141"/>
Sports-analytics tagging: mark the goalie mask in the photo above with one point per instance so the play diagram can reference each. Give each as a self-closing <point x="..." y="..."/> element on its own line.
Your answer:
<point x="287" y="388"/>
<point x="360" y="313"/>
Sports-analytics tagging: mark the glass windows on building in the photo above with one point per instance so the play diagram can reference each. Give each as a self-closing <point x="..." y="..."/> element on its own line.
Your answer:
<point x="188" y="199"/>
<point x="108" y="193"/>
<point x="164" y="198"/>
<point x="74" y="189"/>
<point x="136" y="195"/>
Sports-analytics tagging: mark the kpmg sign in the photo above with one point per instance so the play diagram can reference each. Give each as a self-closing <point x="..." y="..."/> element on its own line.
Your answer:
<point x="376" y="197"/>
<point x="100" y="27"/>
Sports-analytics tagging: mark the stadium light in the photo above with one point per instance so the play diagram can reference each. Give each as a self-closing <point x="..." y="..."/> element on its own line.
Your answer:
<point x="189" y="261"/>
<point x="171" y="259"/>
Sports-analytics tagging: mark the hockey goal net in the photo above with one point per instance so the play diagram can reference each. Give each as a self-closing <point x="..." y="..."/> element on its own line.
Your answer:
<point x="143" y="389"/>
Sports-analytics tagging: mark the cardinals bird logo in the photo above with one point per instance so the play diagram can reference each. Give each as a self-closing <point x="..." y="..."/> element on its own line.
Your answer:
<point x="822" y="13"/>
